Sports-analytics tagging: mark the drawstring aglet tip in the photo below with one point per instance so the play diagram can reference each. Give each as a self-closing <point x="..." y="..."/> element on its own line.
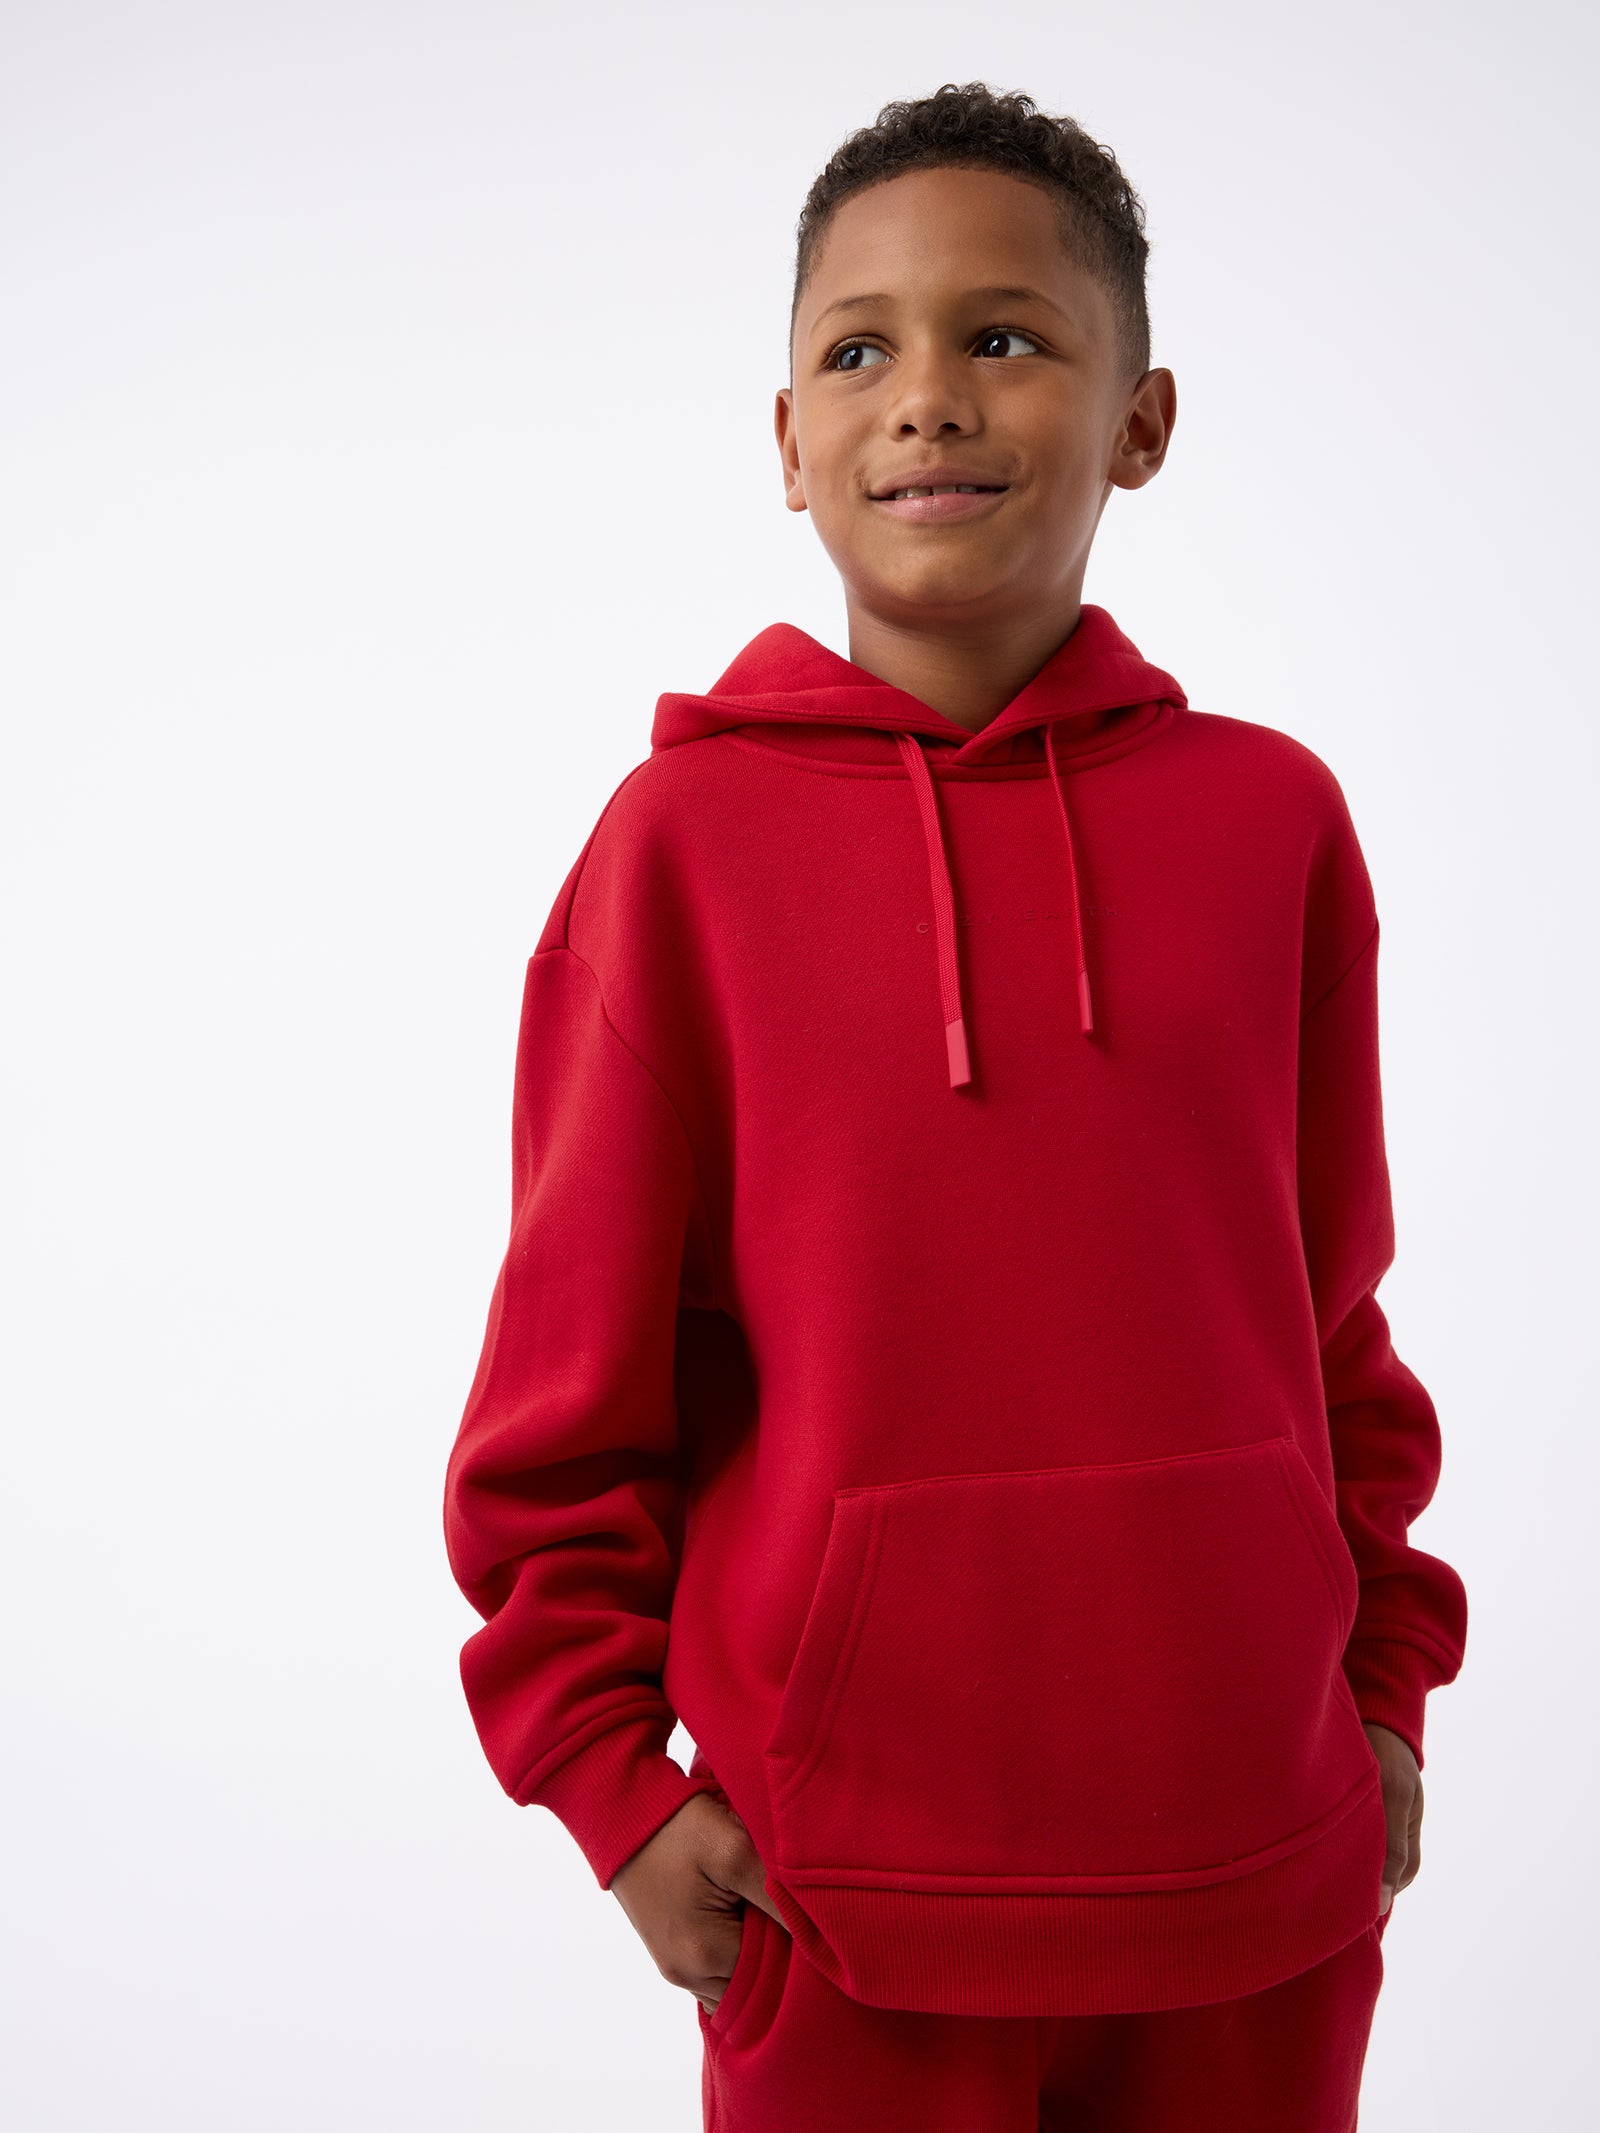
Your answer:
<point x="955" y="1039"/>
<point x="1085" y="1009"/>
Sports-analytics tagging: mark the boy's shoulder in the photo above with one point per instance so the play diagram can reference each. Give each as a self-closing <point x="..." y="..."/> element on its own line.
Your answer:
<point x="639" y="838"/>
<point x="1264" y="779"/>
<point x="1280" y="766"/>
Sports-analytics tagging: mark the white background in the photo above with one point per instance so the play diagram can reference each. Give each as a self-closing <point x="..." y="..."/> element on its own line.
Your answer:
<point x="386" y="413"/>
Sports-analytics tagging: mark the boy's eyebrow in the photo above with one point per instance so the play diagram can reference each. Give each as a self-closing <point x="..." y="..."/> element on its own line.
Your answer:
<point x="851" y="303"/>
<point x="1022" y="295"/>
<point x="998" y="293"/>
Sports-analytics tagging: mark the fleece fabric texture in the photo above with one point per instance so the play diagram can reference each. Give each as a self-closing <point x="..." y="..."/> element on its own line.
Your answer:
<point x="937" y="1355"/>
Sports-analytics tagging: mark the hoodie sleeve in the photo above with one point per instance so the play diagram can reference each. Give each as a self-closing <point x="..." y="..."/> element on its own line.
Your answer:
<point x="563" y="1503"/>
<point x="1410" y="1627"/>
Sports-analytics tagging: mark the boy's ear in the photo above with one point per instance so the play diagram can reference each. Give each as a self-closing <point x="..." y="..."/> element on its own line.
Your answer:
<point x="794" y="491"/>
<point x="1146" y="431"/>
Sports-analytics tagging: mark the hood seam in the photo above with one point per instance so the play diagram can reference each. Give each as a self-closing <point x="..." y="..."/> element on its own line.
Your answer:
<point x="973" y="772"/>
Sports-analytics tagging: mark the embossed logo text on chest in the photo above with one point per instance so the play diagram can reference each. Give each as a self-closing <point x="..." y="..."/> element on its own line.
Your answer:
<point x="1030" y="913"/>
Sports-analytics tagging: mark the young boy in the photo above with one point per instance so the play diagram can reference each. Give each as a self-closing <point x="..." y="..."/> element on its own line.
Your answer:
<point x="949" y="1194"/>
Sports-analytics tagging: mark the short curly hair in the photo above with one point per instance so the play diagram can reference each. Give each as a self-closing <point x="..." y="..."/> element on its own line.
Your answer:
<point x="973" y="127"/>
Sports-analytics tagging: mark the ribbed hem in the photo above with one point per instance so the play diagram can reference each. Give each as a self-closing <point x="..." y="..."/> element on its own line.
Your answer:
<point x="1390" y="1683"/>
<point x="615" y="1793"/>
<point x="1067" y="1954"/>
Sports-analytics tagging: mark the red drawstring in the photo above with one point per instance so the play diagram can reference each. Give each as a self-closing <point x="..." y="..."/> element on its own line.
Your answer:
<point x="1085" y="1010"/>
<point x="944" y="904"/>
<point x="944" y="912"/>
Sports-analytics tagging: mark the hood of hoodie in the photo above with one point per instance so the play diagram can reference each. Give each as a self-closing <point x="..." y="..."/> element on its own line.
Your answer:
<point x="812" y="700"/>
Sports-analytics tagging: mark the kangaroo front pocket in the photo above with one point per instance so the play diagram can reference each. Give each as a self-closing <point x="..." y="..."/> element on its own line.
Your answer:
<point x="1123" y="1674"/>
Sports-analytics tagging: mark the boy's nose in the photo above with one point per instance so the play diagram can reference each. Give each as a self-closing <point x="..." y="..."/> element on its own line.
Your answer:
<point x="933" y="399"/>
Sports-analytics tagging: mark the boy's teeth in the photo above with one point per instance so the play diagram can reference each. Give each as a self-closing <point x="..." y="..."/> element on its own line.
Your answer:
<point x="951" y="489"/>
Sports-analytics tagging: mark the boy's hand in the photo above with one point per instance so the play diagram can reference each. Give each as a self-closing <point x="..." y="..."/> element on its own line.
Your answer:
<point x="1402" y="1805"/>
<point x="685" y="1890"/>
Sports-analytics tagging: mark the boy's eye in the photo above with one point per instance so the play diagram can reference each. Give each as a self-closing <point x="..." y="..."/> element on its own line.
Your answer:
<point x="994" y="343"/>
<point x="857" y="355"/>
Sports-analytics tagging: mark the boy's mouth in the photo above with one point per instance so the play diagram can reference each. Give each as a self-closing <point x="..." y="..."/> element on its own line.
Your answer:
<point x="938" y="496"/>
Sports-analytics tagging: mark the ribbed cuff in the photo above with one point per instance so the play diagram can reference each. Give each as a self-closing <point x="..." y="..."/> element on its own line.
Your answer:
<point x="1390" y="1683"/>
<point x="616" y="1792"/>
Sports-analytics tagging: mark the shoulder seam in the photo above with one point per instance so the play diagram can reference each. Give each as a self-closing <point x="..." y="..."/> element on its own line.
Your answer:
<point x="1328" y="991"/>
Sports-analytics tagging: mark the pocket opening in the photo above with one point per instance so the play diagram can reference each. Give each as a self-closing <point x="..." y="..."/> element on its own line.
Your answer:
<point x="737" y="1989"/>
<point x="1315" y="1512"/>
<point x="832" y="1634"/>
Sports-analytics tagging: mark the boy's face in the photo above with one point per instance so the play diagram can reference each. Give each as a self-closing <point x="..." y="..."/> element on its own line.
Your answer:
<point x="946" y="337"/>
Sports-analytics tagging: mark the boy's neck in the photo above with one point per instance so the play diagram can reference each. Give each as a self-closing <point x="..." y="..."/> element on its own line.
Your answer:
<point x="970" y="678"/>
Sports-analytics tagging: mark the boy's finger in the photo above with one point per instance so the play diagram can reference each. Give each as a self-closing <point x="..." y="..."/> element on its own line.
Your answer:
<point x="748" y="1878"/>
<point x="1404" y="1855"/>
<point x="1398" y="1852"/>
<point x="710" y="1987"/>
<point x="1413" y="1841"/>
<point x="738" y="1869"/>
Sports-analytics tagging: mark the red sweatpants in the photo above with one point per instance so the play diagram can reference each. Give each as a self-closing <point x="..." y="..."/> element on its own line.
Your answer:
<point x="786" y="2052"/>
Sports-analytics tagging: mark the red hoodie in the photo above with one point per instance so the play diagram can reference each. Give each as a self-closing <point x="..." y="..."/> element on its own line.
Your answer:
<point x="936" y="1354"/>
